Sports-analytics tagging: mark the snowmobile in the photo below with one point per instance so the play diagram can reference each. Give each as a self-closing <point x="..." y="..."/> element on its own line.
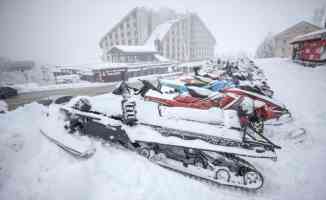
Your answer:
<point x="183" y="84"/>
<point x="216" y="157"/>
<point x="237" y="79"/>
<point x="270" y="109"/>
<point x="253" y="92"/>
<point x="253" y="109"/>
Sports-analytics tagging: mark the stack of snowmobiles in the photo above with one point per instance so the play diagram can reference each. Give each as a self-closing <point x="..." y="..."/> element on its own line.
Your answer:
<point x="224" y="81"/>
<point x="216" y="156"/>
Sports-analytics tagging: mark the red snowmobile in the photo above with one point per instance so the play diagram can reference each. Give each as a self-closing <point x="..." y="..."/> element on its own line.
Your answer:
<point x="252" y="108"/>
<point x="265" y="107"/>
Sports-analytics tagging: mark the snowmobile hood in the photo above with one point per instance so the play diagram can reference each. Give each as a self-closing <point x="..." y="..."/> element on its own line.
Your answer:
<point x="258" y="96"/>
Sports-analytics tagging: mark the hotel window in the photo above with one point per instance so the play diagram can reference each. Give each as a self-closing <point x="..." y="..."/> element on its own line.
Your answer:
<point x="129" y="42"/>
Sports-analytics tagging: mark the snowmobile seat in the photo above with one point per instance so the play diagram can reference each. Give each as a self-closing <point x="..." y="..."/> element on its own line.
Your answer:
<point x="254" y="89"/>
<point x="196" y="94"/>
<point x="186" y="99"/>
<point x="197" y="84"/>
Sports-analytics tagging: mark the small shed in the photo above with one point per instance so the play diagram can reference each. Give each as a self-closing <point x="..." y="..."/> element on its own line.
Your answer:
<point x="310" y="47"/>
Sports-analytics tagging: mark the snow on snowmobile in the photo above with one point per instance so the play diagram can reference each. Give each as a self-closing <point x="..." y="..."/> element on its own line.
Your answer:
<point x="217" y="157"/>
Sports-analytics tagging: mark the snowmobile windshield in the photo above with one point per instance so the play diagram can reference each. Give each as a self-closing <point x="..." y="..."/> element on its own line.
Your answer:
<point x="121" y="89"/>
<point x="146" y="87"/>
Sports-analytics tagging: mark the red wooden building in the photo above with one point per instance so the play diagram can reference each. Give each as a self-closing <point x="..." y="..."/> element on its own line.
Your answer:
<point x="310" y="49"/>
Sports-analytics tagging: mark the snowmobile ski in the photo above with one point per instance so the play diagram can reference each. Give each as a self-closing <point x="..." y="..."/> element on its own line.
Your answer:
<point x="79" y="151"/>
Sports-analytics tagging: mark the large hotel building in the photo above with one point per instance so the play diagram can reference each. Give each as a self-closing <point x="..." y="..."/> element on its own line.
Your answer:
<point x="144" y="34"/>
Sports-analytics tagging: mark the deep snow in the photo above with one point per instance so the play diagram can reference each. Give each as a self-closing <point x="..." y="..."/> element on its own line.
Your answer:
<point x="33" y="168"/>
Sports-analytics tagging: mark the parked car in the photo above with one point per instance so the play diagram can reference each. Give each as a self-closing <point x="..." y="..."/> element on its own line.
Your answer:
<point x="55" y="100"/>
<point x="7" y="92"/>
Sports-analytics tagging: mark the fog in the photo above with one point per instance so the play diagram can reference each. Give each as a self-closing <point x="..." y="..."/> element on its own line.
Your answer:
<point x="68" y="31"/>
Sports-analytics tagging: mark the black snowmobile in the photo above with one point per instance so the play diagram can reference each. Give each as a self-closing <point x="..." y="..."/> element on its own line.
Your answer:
<point x="212" y="157"/>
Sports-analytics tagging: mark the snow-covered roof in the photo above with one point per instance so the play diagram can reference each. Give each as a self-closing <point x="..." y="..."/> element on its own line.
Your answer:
<point x="134" y="49"/>
<point x="160" y="31"/>
<point x="193" y="63"/>
<point x="294" y="27"/>
<point x="70" y="76"/>
<point x="309" y="36"/>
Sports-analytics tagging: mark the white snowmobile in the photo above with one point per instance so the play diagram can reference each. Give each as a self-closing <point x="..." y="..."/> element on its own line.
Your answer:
<point x="215" y="156"/>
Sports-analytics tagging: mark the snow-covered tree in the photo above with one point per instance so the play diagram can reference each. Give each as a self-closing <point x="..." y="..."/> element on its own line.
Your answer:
<point x="266" y="48"/>
<point x="319" y="17"/>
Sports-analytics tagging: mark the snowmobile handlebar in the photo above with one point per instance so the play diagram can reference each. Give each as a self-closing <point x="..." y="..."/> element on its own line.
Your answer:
<point x="146" y="87"/>
<point x="125" y="88"/>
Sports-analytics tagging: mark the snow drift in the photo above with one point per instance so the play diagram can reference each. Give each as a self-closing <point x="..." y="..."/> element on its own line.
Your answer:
<point x="33" y="168"/>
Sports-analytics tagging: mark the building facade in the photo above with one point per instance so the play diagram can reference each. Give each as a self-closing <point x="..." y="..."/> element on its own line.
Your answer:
<point x="181" y="37"/>
<point x="282" y="46"/>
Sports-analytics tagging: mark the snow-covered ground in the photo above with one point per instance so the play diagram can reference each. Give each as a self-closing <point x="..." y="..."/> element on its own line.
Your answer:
<point x="33" y="168"/>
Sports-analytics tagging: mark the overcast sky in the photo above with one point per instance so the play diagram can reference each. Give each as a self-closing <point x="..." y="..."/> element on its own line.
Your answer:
<point x="68" y="31"/>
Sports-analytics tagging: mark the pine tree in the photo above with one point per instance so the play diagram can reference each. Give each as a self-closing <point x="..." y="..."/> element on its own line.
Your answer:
<point x="266" y="48"/>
